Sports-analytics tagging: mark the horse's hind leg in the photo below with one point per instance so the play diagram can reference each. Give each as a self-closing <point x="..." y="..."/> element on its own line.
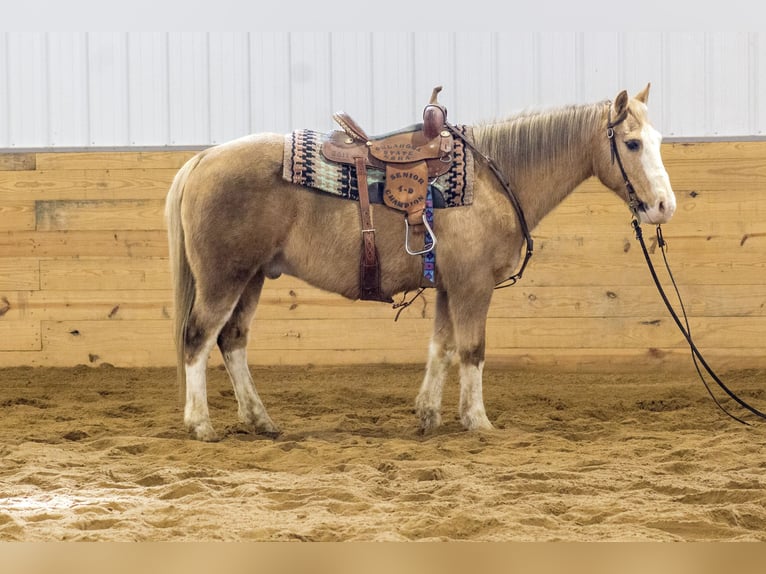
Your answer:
<point x="232" y="341"/>
<point x="205" y="321"/>
<point x="440" y="353"/>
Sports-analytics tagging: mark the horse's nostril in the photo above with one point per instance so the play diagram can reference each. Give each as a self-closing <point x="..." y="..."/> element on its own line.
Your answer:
<point x="661" y="207"/>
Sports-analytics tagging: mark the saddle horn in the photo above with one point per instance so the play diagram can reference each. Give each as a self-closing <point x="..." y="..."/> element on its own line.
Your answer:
<point x="434" y="115"/>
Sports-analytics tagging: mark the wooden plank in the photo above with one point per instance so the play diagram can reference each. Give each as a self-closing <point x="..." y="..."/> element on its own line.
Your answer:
<point x="142" y="343"/>
<point x="626" y="301"/>
<point x="712" y="247"/>
<point x="19" y="274"/>
<point x="150" y="243"/>
<point x="717" y="174"/>
<point x="113" y="305"/>
<point x="735" y="212"/>
<point x="114" y="160"/>
<point x="620" y="332"/>
<point x="17" y="161"/>
<point x="115" y="273"/>
<point x="124" y="214"/>
<point x="121" y="343"/>
<point x="19" y="335"/>
<point x="703" y="151"/>
<point x="695" y="151"/>
<point x="586" y="260"/>
<point x="513" y="361"/>
<point x="709" y="167"/>
<point x="84" y="184"/>
<point x="112" y="338"/>
<point x="304" y="302"/>
<point x="623" y="360"/>
<point x="17" y="215"/>
<point x="641" y="303"/>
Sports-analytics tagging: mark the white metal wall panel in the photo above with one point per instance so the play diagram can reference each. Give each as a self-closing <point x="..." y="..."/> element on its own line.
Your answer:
<point x="118" y="89"/>
<point x="270" y="109"/>
<point x="68" y="109"/>
<point x="310" y="79"/>
<point x="351" y="77"/>
<point x="26" y="101"/>
<point x="148" y="89"/>
<point x="392" y="90"/>
<point x="229" y="86"/>
<point x="757" y="84"/>
<point x="476" y="66"/>
<point x="684" y="78"/>
<point x="189" y="88"/>
<point x="107" y="67"/>
<point x="727" y="69"/>
<point x="518" y="83"/>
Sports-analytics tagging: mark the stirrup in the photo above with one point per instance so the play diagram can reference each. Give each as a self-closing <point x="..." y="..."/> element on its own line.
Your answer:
<point x="430" y="232"/>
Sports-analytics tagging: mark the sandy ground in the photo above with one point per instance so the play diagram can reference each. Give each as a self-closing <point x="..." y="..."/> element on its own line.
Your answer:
<point x="101" y="454"/>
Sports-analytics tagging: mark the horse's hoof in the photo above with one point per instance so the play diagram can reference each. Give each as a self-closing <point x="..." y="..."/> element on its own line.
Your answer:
<point x="260" y="424"/>
<point x="476" y="423"/>
<point x="204" y="432"/>
<point x="429" y="420"/>
<point x="272" y="434"/>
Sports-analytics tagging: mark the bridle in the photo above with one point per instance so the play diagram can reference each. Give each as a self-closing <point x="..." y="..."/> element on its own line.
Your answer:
<point x="635" y="205"/>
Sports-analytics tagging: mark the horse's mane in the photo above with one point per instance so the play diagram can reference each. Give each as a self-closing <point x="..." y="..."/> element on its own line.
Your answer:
<point x="532" y="138"/>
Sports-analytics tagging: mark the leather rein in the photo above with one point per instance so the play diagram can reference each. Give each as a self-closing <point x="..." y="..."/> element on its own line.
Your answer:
<point x="635" y="204"/>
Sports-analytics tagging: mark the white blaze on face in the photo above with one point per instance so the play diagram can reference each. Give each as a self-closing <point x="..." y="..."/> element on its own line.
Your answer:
<point x="665" y="203"/>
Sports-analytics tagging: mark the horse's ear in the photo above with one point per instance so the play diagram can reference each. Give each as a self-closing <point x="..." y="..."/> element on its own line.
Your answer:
<point x="643" y="95"/>
<point x="620" y="103"/>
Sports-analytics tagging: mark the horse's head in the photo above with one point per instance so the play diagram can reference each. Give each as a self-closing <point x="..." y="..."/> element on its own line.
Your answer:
<point x="631" y="151"/>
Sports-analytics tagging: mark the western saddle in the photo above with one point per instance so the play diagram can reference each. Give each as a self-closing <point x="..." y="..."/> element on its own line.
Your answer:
<point x="410" y="159"/>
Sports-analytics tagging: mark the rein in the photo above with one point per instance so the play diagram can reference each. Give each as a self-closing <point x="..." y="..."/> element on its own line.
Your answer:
<point x="634" y="204"/>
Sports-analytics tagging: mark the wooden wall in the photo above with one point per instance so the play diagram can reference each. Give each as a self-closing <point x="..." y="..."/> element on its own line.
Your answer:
<point x="84" y="276"/>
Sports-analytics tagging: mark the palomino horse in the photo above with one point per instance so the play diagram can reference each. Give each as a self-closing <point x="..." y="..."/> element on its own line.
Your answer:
<point x="233" y="222"/>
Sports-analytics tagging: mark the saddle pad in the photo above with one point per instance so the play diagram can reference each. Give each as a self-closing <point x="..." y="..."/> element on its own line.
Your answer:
<point x="305" y="165"/>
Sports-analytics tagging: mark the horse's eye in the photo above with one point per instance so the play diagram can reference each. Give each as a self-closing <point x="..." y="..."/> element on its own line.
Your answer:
<point x="633" y="145"/>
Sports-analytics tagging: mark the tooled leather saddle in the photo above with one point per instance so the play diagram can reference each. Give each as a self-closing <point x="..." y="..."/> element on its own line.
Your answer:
<point x="410" y="159"/>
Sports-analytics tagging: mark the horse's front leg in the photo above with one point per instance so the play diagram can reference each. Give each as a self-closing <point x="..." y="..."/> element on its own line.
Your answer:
<point x="469" y="317"/>
<point x="440" y="353"/>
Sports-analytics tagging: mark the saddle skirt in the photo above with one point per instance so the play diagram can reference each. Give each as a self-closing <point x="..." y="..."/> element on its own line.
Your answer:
<point x="305" y="164"/>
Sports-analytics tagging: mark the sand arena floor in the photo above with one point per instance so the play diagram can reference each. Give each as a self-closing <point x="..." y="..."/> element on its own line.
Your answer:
<point x="101" y="454"/>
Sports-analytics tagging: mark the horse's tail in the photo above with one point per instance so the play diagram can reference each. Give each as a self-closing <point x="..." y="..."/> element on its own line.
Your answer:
<point x="183" y="280"/>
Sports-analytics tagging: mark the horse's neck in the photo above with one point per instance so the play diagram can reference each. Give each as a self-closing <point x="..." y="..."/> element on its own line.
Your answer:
<point x="546" y="155"/>
<point x="541" y="190"/>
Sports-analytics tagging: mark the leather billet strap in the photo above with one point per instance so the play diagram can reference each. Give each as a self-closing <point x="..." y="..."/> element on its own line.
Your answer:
<point x="369" y="267"/>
